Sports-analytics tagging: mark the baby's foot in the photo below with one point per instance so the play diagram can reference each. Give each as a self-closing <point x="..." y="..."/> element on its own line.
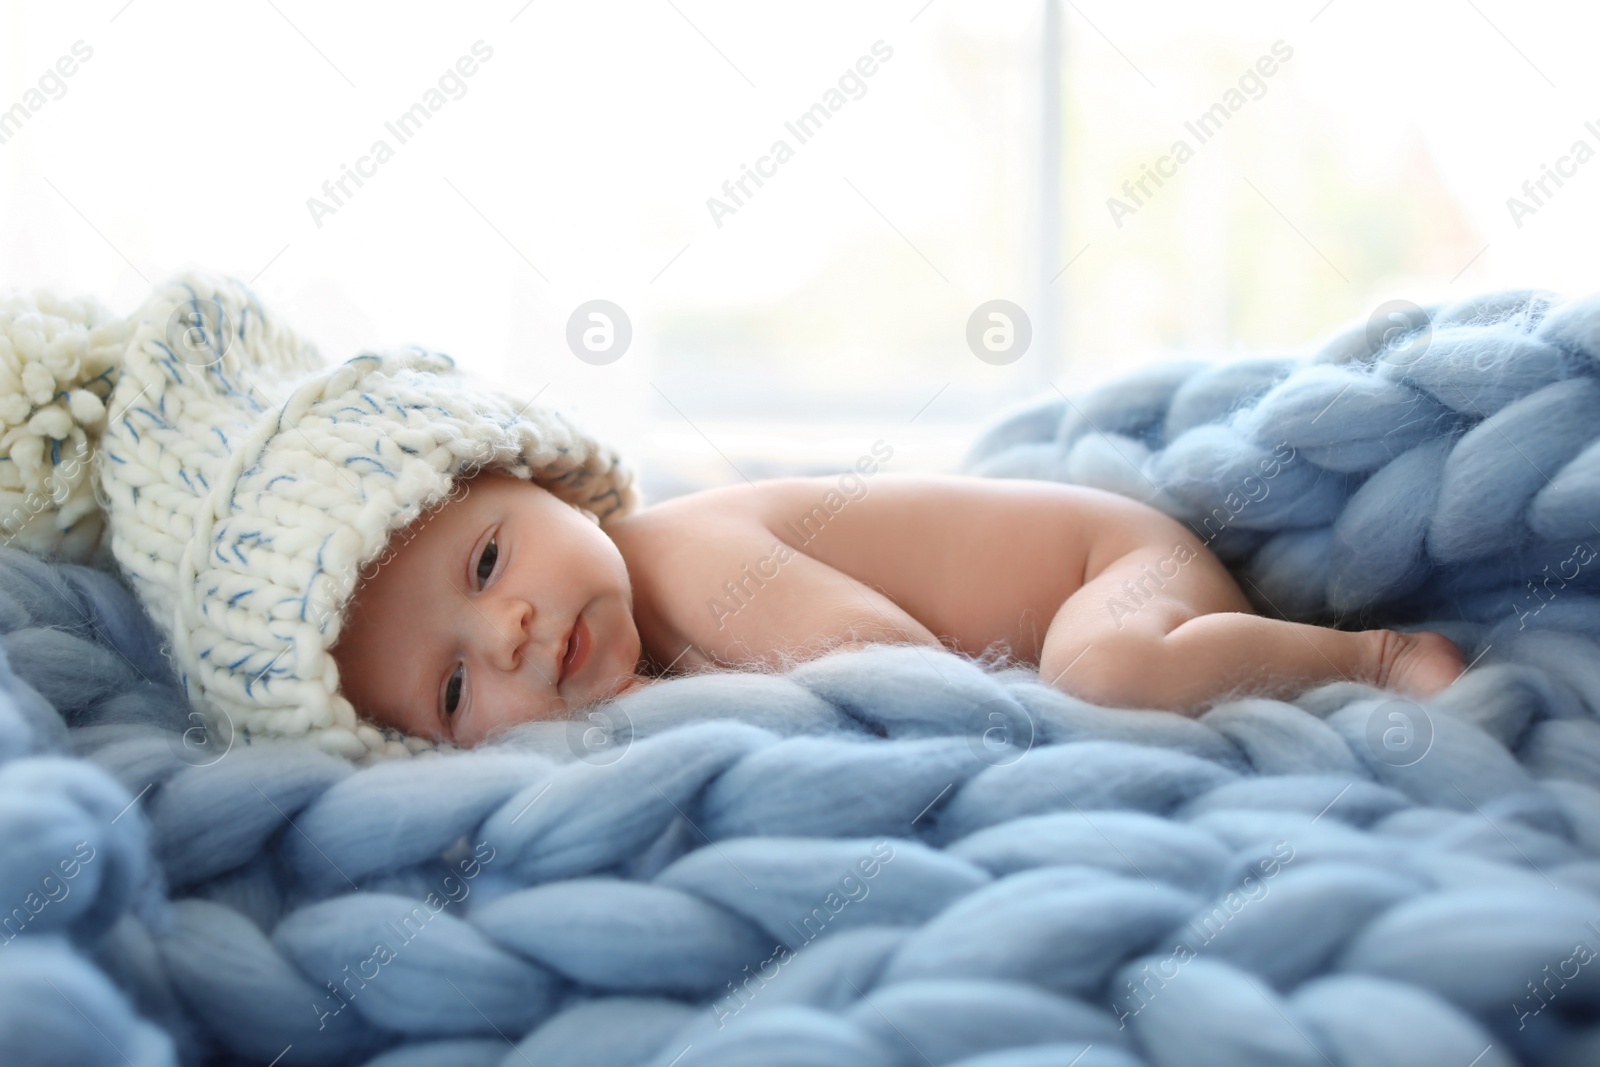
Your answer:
<point x="1419" y="663"/>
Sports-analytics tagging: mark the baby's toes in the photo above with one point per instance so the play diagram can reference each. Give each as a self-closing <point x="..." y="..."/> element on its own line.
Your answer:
<point x="1421" y="663"/>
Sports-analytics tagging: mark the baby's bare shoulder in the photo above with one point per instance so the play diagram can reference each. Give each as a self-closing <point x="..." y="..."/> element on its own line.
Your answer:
<point x="678" y="549"/>
<point x="662" y="527"/>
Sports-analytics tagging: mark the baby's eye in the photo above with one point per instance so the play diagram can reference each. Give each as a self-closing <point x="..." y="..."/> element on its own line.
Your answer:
<point x="452" y="691"/>
<point x="491" y="552"/>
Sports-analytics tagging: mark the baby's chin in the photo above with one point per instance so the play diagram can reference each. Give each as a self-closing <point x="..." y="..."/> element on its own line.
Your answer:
<point x="616" y="653"/>
<point x="608" y="686"/>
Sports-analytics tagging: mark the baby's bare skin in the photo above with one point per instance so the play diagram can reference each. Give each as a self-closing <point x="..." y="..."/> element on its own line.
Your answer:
<point x="1115" y="602"/>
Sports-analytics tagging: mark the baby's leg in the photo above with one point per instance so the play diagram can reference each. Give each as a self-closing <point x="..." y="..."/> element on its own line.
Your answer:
<point x="1165" y="626"/>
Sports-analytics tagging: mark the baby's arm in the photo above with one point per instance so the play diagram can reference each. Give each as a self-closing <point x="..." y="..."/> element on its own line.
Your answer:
<point x="1160" y="623"/>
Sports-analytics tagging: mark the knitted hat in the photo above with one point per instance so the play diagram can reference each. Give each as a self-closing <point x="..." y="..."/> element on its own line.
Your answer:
<point x="247" y="484"/>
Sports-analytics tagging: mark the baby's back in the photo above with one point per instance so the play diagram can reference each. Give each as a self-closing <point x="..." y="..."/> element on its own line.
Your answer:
<point x="768" y="570"/>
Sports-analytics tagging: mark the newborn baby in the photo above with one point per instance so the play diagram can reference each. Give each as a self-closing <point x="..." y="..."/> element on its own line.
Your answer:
<point x="505" y="604"/>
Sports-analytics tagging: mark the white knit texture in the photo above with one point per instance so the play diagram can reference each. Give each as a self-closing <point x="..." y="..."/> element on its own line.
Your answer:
<point x="57" y="357"/>
<point x="248" y="483"/>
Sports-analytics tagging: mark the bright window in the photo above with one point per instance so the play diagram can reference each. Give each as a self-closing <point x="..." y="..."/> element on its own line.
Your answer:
<point x="1339" y="155"/>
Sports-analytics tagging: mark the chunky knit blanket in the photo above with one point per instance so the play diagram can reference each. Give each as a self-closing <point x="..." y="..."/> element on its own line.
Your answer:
<point x="899" y="857"/>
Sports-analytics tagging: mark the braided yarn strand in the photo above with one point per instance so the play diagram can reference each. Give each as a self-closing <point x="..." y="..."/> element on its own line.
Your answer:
<point x="1445" y="470"/>
<point x="1090" y="889"/>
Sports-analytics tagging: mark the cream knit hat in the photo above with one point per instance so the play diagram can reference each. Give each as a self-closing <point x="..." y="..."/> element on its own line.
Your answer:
<point x="247" y="484"/>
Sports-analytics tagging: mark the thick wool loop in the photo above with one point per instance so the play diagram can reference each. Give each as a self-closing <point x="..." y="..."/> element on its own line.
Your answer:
<point x="1385" y="475"/>
<point x="1037" y="918"/>
<point x="893" y="856"/>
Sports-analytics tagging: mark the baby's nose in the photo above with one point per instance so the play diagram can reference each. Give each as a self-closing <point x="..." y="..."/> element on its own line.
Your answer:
<point x="507" y="631"/>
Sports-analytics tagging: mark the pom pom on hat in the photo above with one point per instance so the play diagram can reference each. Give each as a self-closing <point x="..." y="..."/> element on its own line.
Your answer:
<point x="57" y="363"/>
<point x="248" y="483"/>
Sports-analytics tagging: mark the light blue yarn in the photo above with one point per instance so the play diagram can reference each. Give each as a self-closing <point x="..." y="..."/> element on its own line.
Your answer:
<point x="48" y="991"/>
<point x="683" y="878"/>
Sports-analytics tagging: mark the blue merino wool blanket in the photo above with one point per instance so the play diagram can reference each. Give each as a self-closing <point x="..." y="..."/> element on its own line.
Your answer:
<point x="896" y="857"/>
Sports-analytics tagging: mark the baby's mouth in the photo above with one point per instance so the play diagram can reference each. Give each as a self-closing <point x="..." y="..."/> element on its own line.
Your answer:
<point x="576" y="653"/>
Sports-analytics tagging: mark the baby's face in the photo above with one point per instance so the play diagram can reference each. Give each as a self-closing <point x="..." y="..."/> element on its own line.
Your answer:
<point x="501" y="606"/>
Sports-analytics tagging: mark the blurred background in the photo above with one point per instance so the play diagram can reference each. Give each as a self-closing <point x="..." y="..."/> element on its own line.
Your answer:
<point x="984" y="157"/>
